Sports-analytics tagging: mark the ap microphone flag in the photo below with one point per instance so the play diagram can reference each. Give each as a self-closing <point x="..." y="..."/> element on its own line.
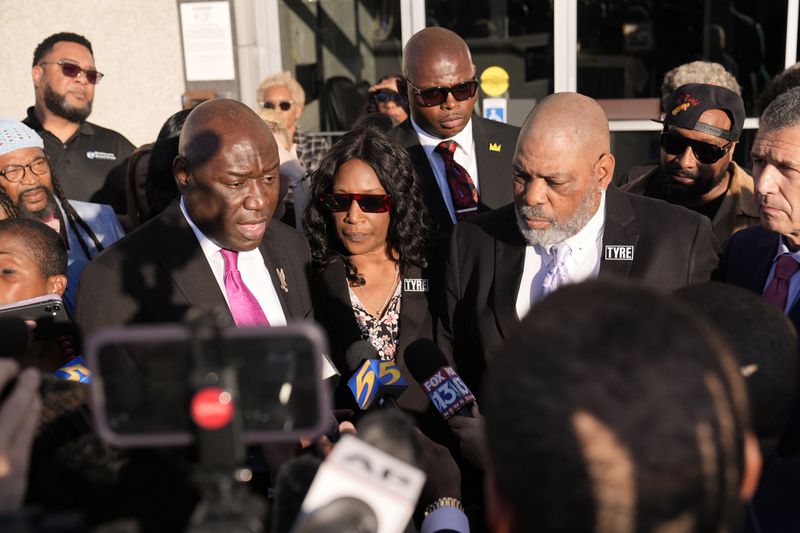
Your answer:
<point x="444" y="387"/>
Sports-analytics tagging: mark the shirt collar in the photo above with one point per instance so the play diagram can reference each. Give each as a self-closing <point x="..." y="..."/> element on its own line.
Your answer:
<point x="84" y="129"/>
<point x="429" y="142"/>
<point x="784" y="249"/>
<point x="209" y="247"/>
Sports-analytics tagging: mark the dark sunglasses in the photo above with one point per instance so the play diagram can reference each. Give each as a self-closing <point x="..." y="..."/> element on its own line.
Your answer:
<point x="704" y="152"/>
<point x="433" y="96"/>
<point x="73" y="70"/>
<point x="285" y="106"/>
<point x="384" y="96"/>
<point x="369" y="203"/>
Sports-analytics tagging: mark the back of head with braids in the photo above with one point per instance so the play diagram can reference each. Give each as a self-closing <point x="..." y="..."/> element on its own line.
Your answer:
<point x="75" y="220"/>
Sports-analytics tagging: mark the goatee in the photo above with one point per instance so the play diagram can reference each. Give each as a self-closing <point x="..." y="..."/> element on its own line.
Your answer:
<point x="57" y="104"/>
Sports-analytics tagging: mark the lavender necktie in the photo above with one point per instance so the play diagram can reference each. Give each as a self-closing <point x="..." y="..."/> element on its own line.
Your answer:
<point x="778" y="289"/>
<point x="557" y="274"/>
<point x="244" y="307"/>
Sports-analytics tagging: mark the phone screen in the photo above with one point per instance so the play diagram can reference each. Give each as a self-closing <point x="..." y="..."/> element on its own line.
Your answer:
<point x="145" y="377"/>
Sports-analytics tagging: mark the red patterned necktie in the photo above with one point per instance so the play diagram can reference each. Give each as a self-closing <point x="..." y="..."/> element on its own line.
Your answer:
<point x="462" y="188"/>
<point x="778" y="288"/>
<point x="244" y="307"/>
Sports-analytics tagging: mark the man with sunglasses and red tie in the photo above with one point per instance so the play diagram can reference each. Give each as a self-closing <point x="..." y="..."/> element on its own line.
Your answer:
<point x="702" y="125"/>
<point x="89" y="160"/>
<point x="463" y="161"/>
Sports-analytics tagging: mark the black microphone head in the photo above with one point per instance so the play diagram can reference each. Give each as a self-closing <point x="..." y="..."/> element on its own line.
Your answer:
<point x="291" y="486"/>
<point x="16" y="337"/>
<point x="391" y="431"/>
<point x="423" y="357"/>
<point x="357" y="352"/>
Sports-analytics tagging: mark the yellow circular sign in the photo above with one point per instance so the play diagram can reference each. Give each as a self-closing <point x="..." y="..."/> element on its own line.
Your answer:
<point x="494" y="81"/>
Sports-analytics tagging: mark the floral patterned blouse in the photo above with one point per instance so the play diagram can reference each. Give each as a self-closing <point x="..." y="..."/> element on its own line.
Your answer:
<point x="381" y="332"/>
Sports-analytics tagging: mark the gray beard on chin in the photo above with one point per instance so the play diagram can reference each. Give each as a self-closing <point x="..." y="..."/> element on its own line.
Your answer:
<point x="57" y="104"/>
<point x="556" y="232"/>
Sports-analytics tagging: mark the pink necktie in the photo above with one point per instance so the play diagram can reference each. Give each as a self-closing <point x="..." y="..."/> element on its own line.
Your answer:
<point x="462" y="188"/>
<point x="778" y="289"/>
<point x="244" y="307"/>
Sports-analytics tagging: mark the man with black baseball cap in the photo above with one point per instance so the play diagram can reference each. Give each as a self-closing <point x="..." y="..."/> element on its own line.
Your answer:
<point x="702" y="125"/>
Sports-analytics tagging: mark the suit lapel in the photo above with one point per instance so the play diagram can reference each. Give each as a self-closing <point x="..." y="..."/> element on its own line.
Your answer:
<point x="620" y="228"/>
<point x="336" y="299"/>
<point x="413" y="310"/>
<point x="282" y="274"/>
<point x="509" y="261"/>
<point x="764" y="250"/>
<point x="183" y="258"/>
<point x="431" y="193"/>
<point x="495" y="189"/>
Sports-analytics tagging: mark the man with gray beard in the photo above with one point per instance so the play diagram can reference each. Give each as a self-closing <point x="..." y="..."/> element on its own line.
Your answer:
<point x="567" y="224"/>
<point x="89" y="160"/>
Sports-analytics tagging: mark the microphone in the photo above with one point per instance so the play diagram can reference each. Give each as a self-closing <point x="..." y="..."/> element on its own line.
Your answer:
<point x="444" y="387"/>
<point x="372" y="379"/>
<point x="16" y="335"/>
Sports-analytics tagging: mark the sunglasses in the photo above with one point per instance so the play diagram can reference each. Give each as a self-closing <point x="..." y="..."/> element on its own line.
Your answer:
<point x="704" y="152"/>
<point x="369" y="203"/>
<point x="73" y="70"/>
<point x="384" y="96"/>
<point x="433" y="96"/>
<point x="284" y="106"/>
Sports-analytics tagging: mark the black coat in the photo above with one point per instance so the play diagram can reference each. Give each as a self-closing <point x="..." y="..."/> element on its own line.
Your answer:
<point x="673" y="247"/>
<point x="159" y="271"/>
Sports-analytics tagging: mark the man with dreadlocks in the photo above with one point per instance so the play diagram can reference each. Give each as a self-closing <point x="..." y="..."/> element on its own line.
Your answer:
<point x="32" y="191"/>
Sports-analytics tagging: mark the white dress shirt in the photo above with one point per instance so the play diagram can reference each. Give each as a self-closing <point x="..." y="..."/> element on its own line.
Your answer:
<point x="794" y="281"/>
<point x="251" y="266"/>
<point x="583" y="262"/>
<point x="464" y="156"/>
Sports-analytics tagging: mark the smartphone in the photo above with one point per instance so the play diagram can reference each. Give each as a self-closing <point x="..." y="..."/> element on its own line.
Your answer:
<point x="47" y="311"/>
<point x="144" y="379"/>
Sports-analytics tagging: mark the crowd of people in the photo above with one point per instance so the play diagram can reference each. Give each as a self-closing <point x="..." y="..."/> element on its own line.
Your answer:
<point x="630" y="353"/>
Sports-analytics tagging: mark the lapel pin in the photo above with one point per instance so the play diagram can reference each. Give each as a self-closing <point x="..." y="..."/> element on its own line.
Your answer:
<point x="282" y="279"/>
<point x="415" y="285"/>
<point x="495" y="147"/>
<point x="618" y="252"/>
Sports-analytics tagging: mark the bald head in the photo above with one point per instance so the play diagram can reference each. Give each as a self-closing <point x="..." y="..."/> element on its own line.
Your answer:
<point x="573" y="116"/>
<point x="227" y="173"/>
<point x="432" y="46"/>
<point x="214" y="123"/>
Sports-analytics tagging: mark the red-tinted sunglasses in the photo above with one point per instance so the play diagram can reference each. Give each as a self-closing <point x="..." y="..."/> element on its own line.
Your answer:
<point x="73" y="70"/>
<point x="369" y="203"/>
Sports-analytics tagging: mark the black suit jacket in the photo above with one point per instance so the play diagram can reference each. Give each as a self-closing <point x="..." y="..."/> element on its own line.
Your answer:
<point x="159" y="271"/>
<point x="494" y="167"/>
<point x="673" y="247"/>
<point x="333" y="310"/>
<point x="748" y="259"/>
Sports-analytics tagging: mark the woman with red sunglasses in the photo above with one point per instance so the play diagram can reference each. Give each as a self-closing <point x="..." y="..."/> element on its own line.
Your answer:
<point x="368" y="232"/>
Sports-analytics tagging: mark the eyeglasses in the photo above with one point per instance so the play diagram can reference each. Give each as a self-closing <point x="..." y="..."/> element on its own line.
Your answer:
<point x="73" y="70"/>
<point x="285" y="106"/>
<point x="433" y="96"/>
<point x="369" y="203"/>
<point x="16" y="173"/>
<point x="704" y="152"/>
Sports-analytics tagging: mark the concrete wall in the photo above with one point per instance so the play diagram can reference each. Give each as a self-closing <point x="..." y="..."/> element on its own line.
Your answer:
<point x="136" y="45"/>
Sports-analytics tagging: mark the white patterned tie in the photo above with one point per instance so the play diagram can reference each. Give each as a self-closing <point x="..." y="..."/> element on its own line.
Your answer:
<point x="557" y="274"/>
